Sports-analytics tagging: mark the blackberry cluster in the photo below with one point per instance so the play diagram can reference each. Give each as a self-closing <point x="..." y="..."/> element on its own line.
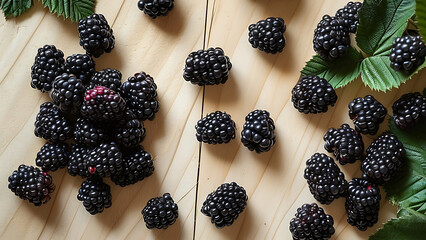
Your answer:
<point x="349" y="15"/>
<point x="407" y="54"/>
<point x="313" y="94"/>
<point x="110" y="78"/>
<point x="51" y="125"/>
<point x="326" y="181"/>
<point x="30" y="183"/>
<point x="96" y="36"/>
<point x="52" y="156"/>
<point x="409" y="109"/>
<point x="311" y="222"/>
<point x="88" y="133"/>
<point x="140" y="93"/>
<point x="95" y="195"/>
<point x="367" y="113"/>
<point x="160" y="212"/>
<point x="207" y="67"/>
<point x="130" y="131"/>
<point x="80" y="65"/>
<point x="77" y="164"/>
<point x="331" y="38"/>
<point x="156" y="8"/>
<point x="345" y="143"/>
<point x="101" y="104"/>
<point x="258" y="131"/>
<point x="268" y="35"/>
<point x="362" y="203"/>
<point x="67" y="93"/>
<point x="225" y="204"/>
<point x="105" y="160"/>
<point x="48" y="64"/>
<point x="215" y="128"/>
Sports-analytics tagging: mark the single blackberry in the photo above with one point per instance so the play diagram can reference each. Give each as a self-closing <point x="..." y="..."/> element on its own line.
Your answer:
<point x="362" y="203"/>
<point x="110" y="78"/>
<point x="258" y="131"/>
<point x="88" y="133"/>
<point x="140" y="93"/>
<point x="225" y="204"/>
<point x="67" y="93"/>
<point x="216" y="128"/>
<point x="105" y="160"/>
<point x="349" y="15"/>
<point x="102" y="104"/>
<point x="268" y="35"/>
<point x="331" y="38"/>
<point x="129" y="132"/>
<point x="77" y="164"/>
<point x="51" y="125"/>
<point x="367" y="113"/>
<point x="160" y="212"/>
<point x="313" y="94"/>
<point x="95" y="195"/>
<point x="326" y="181"/>
<point x="207" y="67"/>
<point x="30" y="183"/>
<point x="96" y="36"/>
<point x="156" y="8"/>
<point x="311" y="223"/>
<point x="409" y="109"/>
<point x="52" y="156"/>
<point x="345" y="143"/>
<point x="48" y="64"/>
<point x="407" y="54"/>
<point x="137" y="165"/>
<point x="81" y="65"/>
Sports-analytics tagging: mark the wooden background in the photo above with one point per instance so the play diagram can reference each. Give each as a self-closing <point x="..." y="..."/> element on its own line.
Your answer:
<point x="274" y="180"/>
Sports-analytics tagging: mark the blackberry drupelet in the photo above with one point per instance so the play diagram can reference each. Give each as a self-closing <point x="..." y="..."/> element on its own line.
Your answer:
<point x="349" y="15"/>
<point x="156" y="8"/>
<point x="258" y="131"/>
<point x="362" y="203"/>
<point x="326" y="181"/>
<point x="345" y="143"/>
<point x="207" y="67"/>
<point x="67" y="93"/>
<point x="313" y="94"/>
<point x="81" y="65"/>
<point x="51" y="124"/>
<point x="88" y="133"/>
<point x="130" y="131"/>
<point x="52" y="156"/>
<point x="407" y="54"/>
<point x="95" y="195"/>
<point x="331" y="38"/>
<point x="311" y="223"/>
<point x="216" y="128"/>
<point x="367" y="113"/>
<point x="105" y="160"/>
<point x="30" y="183"/>
<point x="110" y="78"/>
<point x="96" y="36"/>
<point x="48" y="64"/>
<point x="409" y="109"/>
<point x="102" y="105"/>
<point x="160" y="212"/>
<point x="268" y="35"/>
<point x="77" y="164"/>
<point x="140" y="93"/>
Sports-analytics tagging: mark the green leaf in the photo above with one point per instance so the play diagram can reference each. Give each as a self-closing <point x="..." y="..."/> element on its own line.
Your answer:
<point x="407" y="227"/>
<point x="338" y="73"/>
<point x="421" y="17"/>
<point x="15" y="7"/>
<point x="73" y="9"/>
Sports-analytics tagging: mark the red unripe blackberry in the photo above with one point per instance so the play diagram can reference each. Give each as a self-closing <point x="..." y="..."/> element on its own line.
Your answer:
<point x="101" y="104"/>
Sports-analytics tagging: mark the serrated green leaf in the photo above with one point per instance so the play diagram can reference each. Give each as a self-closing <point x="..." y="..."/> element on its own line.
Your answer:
<point x="15" y="7"/>
<point x="73" y="9"/>
<point x="410" y="227"/>
<point x="421" y="17"/>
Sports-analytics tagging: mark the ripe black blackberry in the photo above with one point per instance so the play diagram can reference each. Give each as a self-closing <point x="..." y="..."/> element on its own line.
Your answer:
<point x="326" y="181"/>
<point x="48" y="64"/>
<point x="102" y="105"/>
<point x="258" y="131"/>
<point x="51" y="124"/>
<point x="105" y="160"/>
<point x="160" y="212"/>
<point x="367" y="113"/>
<point x="207" y="67"/>
<point x="362" y="203"/>
<point x="156" y="8"/>
<point x="110" y="78"/>
<point x="81" y="65"/>
<point x="52" y="156"/>
<point x="130" y="131"/>
<point x="349" y="15"/>
<point x="345" y="143"/>
<point x="216" y="128"/>
<point x="313" y="94"/>
<point x="95" y="195"/>
<point x="67" y="93"/>
<point x="409" y="109"/>
<point x="268" y="35"/>
<point x="96" y="36"/>
<point x="88" y="133"/>
<point x="407" y="53"/>
<point x="30" y="183"/>
<point x="140" y="93"/>
<point x="311" y="222"/>
<point x="77" y="164"/>
<point x="331" y="38"/>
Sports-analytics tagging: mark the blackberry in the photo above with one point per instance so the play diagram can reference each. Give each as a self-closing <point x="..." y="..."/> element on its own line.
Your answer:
<point x="409" y="109"/>
<point x="160" y="212"/>
<point x="105" y="160"/>
<point x="258" y="131"/>
<point x="313" y="94"/>
<point x="52" y="156"/>
<point x="367" y="113"/>
<point x="77" y="164"/>
<point x="268" y="35"/>
<point x="67" y="93"/>
<point x="130" y="131"/>
<point x="156" y="8"/>
<point x="88" y="133"/>
<point x="140" y="93"/>
<point x="345" y="143"/>
<point x="110" y="78"/>
<point x="207" y="67"/>
<point x="96" y="36"/>
<point x="331" y="38"/>
<point x="407" y="54"/>
<point x="311" y="222"/>
<point x="48" y="64"/>
<point x="81" y="65"/>
<point x="326" y="181"/>
<point x="349" y="15"/>
<point x="362" y="203"/>
<point x="95" y="195"/>
<point x="30" y="183"/>
<point x="225" y="204"/>
<point x="102" y="104"/>
<point x="51" y="125"/>
<point x="215" y="128"/>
